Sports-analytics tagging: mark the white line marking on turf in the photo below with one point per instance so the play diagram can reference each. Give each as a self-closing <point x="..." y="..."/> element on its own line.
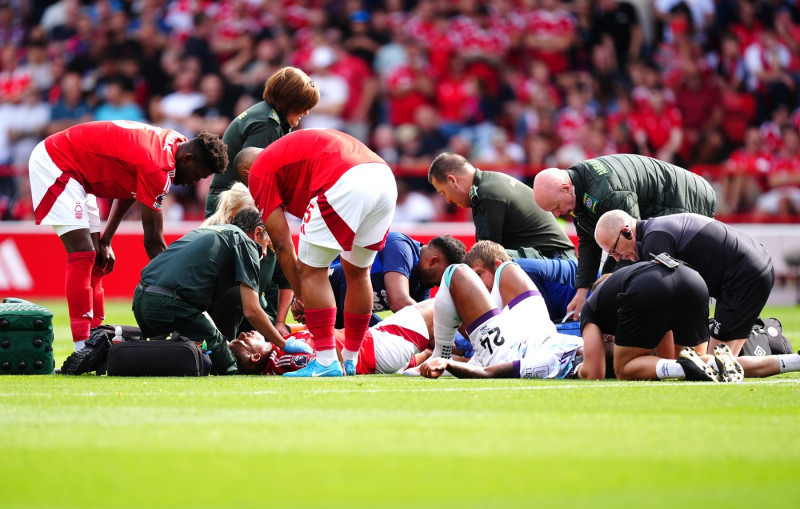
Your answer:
<point x="350" y="389"/>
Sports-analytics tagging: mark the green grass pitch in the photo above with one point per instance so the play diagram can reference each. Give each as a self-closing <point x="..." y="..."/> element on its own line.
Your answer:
<point x="392" y="441"/>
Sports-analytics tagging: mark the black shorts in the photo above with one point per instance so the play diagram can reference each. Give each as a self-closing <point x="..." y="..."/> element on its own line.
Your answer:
<point x="659" y="300"/>
<point x="740" y="303"/>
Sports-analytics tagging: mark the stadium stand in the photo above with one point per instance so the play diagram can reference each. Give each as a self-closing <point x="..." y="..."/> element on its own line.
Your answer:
<point x="515" y="85"/>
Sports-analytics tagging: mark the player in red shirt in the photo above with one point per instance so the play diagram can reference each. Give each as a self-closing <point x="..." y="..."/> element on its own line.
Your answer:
<point x="121" y="160"/>
<point x="404" y="340"/>
<point x="346" y="195"/>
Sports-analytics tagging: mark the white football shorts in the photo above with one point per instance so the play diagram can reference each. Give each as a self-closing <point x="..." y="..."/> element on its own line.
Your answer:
<point x="355" y="212"/>
<point x="70" y="206"/>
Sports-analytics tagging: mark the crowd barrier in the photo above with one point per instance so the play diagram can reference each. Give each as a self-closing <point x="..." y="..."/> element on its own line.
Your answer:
<point x="32" y="257"/>
<point x="32" y="261"/>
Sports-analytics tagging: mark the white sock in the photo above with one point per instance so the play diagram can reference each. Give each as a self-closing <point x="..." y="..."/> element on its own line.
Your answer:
<point x="445" y="319"/>
<point x="349" y="355"/>
<point x="789" y="362"/>
<point x="78" y="345"/>
<point x="326" y="357"/>
<point x="668" y="368"/>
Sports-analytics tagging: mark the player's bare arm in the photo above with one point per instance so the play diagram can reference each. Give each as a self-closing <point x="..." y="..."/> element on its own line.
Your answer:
<point x="281" y="236"/>
<point x="594" y="354"/>
<point x="153" y="225"/>
<point x="284" y="304"/>
<point x="397" y="291"/>
<point x="258" y="318"/>
<point x="105" y="255"/>
<point x="435" y="367"/>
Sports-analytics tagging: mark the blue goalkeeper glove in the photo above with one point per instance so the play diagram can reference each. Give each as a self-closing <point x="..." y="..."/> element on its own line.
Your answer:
<point x="297" y="346"/>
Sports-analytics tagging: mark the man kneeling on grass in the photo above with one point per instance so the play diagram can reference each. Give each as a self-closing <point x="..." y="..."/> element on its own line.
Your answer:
<point x="400" y="341"/>
<point x="649" y="308"/>
<point x="179" y="285"/>
<point x="563" y="356"/>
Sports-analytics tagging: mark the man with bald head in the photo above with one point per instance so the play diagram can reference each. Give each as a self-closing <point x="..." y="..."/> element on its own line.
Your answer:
<point x="641" y="186"/>
<point x="501" y="209"/>
<point x="736" y="268"/>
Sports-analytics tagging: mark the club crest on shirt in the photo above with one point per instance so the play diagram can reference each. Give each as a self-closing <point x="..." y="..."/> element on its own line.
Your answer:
<point x="299" y="361"/>
<point x="590" y="202"/>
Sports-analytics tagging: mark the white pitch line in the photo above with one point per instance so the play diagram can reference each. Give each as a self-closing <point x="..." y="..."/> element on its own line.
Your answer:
<point x="294" y="390"/>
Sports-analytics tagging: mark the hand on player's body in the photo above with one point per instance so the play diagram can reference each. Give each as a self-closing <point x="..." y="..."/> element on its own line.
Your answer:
<point x="283" y="329"/>
<point x="433" y="368"/>
<point x="298" y="309"/>
<point x="575" y="306"/>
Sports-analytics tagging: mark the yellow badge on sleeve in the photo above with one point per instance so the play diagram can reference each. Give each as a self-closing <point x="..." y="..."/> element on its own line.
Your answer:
<point x="590" y="202"/>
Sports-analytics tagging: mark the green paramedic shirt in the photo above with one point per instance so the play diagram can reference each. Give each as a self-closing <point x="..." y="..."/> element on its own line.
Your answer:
<point x="205" y="263"/>
<point x="259" y="126"/>
<point x="503" y="211"/>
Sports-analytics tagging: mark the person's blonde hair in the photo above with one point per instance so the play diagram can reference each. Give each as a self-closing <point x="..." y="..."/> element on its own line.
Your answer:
<point x="486" y="253"/>
<point x="230" y="202"/>
<point x="290" y="90"/>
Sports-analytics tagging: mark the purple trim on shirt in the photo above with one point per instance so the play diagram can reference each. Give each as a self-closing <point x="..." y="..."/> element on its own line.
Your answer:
<point x="477" y="323"/>
<point x="515" y="367"/>
<point x="524" y="295"/>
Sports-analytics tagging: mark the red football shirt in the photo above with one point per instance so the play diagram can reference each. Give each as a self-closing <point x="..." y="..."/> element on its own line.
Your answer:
<point x="118" y="159"/>
<point x="301" y="165"/>
<point x="281" y="362"/>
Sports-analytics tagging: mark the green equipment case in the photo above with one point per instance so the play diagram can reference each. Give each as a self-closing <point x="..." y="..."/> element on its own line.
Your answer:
<point x="26" y="338"/>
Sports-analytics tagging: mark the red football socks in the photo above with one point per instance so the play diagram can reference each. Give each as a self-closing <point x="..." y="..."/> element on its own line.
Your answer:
<point x="355" y="326"/>
<point x="320" y="325"/>
<point x="98" y="297"/>
<point x="79" y="293"/>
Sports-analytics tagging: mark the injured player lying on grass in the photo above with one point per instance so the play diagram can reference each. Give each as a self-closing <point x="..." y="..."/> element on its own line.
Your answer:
<point x="518" y="341"/>
<point x="400" y="341"/>
<point x="509" y="328"/>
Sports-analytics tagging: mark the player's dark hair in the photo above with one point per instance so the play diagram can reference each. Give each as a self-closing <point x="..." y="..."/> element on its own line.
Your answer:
<point x="446" y="164"/>
<point x="452" y="249"/>
<point x="290" y="90"/>
<point x="211" y="151"/>
<point x="246" y="366"/>
<point x="248" y="219"/>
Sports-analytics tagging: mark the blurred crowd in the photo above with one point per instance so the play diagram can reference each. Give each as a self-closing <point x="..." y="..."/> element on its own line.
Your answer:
<point x="510" y="84"/>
